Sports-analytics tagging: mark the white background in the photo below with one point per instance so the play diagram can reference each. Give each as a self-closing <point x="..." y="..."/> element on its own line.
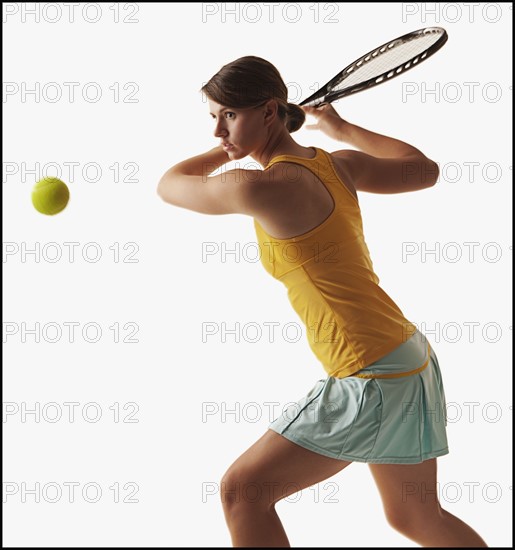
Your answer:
<point x="456" y="108"/>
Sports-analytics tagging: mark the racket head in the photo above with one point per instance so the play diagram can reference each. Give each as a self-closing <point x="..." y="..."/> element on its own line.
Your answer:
<point x="385" y="62"/>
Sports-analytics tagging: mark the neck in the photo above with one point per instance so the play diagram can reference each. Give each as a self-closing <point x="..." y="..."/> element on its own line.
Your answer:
<point x="279" y="142"/>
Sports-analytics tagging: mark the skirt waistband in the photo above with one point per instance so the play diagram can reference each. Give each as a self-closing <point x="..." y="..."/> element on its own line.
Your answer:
<point x="397" y="374"/>
<point x="394" y="364"/>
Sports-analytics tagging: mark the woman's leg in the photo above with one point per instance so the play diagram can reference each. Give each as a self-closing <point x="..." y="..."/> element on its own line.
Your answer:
<point x="271" y="469"/>
<point x="410" y="501"/>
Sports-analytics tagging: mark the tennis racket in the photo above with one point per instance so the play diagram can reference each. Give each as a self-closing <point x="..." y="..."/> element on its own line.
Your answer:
<point x="381" y="65"/>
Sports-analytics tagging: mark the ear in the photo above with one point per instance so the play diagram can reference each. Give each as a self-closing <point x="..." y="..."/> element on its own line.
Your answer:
<point x="270" y="110"/>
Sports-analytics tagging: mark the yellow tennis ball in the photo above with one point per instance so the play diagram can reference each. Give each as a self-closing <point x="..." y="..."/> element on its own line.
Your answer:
<point x="50" y="196"/>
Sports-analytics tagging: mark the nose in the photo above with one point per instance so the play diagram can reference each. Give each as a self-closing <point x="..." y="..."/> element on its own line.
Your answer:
<point x="220" y="131"/>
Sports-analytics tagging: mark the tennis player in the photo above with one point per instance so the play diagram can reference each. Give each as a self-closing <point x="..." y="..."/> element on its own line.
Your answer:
<point x="382" y="399"/>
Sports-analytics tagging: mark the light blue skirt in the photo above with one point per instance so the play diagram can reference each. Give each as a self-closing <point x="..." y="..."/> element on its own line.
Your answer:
<point x="391" y="412"/>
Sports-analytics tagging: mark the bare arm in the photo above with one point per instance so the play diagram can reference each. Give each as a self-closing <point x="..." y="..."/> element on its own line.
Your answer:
<point x="382" y="164"/>
<point x="200" y="165"/>
<point x="187" y="185"/>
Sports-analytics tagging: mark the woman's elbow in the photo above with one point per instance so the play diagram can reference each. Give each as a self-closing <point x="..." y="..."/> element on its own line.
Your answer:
<point x="163" y="187"/>
<point x="431" y="172"/>
<point x="160" y="189"/>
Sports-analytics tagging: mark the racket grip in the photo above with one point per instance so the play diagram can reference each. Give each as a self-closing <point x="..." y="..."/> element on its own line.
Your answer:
<point x="314" y="103"/>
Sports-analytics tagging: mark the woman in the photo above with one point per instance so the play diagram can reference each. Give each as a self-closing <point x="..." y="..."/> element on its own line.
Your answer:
<point x="383" y="400"/>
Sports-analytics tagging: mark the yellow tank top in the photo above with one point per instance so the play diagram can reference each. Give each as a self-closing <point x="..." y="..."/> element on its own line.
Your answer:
<point x="349" y="319"/>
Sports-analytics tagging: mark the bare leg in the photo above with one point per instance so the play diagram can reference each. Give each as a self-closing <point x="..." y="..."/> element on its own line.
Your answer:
<point x="273" y="468"/>
<point x="410" y="501"/>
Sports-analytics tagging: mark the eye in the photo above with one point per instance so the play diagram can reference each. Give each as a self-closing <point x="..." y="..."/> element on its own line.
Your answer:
<point x="225" y="114"/>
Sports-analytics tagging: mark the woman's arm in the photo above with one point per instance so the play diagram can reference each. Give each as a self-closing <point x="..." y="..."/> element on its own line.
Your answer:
<point x="200" y="165"/>
<point x="330" y="122"/>
<point x="187" y="185"/>
<point x="382" y="164"/>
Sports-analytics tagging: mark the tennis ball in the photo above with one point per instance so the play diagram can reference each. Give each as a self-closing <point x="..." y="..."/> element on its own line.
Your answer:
<point x="50" y="196"/>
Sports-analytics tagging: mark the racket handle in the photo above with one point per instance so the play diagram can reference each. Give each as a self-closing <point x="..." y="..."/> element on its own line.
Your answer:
<point x="314" y="103"/>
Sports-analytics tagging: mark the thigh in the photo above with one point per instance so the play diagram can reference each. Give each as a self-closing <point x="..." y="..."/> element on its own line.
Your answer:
<point x="274" y="468"/>
<point x="408" y="491"/>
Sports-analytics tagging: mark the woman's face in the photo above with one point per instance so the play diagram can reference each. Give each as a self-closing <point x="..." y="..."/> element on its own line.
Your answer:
<point x="241" y="131"/>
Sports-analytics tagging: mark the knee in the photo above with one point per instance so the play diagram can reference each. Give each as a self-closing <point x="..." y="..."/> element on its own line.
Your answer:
<point x="240" y="490"/>
<point x="229" y="489"/>
<point x="410" y="522"/>
<point x="400" y="521"/>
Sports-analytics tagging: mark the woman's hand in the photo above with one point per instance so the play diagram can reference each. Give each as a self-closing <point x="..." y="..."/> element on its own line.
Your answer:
<point x="328" y="121"/>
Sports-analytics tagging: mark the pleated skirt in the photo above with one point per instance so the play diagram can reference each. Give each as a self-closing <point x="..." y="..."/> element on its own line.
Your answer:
<point x="391" y="412"/>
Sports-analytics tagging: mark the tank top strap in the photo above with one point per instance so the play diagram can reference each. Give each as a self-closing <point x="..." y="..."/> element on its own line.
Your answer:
<point x="321" y="165"/>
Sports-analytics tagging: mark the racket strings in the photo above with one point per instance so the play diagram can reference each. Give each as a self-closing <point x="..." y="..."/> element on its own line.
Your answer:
<point x="388" y="60"/>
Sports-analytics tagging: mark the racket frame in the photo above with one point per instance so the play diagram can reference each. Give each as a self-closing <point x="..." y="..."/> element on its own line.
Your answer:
<point x="325" y="95"/>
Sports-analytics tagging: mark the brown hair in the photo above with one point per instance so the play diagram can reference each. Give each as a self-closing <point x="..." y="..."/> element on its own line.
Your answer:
<point x="250" y="82"/>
